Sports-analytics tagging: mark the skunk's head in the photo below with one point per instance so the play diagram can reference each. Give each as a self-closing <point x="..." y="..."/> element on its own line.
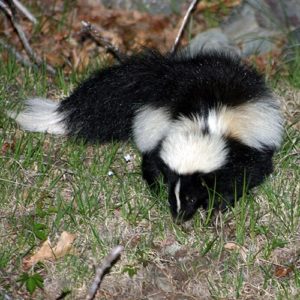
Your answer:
<point x="216" y="153"/>
<point x="189" y="153"/>
<point x="186" y="195"/>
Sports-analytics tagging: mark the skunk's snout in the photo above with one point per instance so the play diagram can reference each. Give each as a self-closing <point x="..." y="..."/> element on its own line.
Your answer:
<point x="185" y="197"/>
<point x="186" y="212"/>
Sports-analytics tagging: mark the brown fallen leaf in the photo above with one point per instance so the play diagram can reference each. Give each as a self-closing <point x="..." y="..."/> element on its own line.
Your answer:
<point x="47" y="252"/>
<point x="282" y="271"/>
<point x="7" y="146"/>
<point x="234" y="246"/>
<point x="213" y="6"/>
<point x="54" y="59"/>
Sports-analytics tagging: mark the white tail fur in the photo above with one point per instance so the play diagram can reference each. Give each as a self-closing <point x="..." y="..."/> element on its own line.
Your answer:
<point x="40" y="115"/>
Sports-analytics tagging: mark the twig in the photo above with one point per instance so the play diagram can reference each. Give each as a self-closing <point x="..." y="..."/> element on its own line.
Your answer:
<point x="9" y="9"/>
<point x="106" y="264"/>
<point x="25" y="11"/>
<point x="187" y="15"/>
<point x="99" y="40"/>
<point x="18" y="56"/>
<point x="3" y="6"/>
<point x="11" y="6"/>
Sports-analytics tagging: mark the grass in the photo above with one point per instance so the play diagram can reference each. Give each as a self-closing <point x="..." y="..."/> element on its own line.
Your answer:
<point x="50" y="184"/>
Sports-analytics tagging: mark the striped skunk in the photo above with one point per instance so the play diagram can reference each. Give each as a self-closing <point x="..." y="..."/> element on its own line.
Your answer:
<point x="206" y="122"/>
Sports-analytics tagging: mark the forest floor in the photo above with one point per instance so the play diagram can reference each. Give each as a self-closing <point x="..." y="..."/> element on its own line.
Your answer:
<point x="95" y="193"/>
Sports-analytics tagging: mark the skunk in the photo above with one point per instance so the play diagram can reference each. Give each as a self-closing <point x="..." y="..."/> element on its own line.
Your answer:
<point x="206" y="122"/>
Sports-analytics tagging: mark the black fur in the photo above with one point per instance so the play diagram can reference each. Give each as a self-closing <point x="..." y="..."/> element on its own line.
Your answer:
<point x="102" y="109"/>
<point x="245" y="169"/>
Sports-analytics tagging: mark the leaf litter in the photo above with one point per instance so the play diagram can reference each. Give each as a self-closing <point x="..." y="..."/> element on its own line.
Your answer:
<point x="64" y="47"/>
<point x="47" y="252"/>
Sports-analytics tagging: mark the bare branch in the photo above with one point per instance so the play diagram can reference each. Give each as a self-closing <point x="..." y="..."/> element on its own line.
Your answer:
<point x="106" y="264"/>
<point x="4" y="7"/>
<point x="25" y="11"/>
<point x="18" y="56"/>
<point x="9" y="9"/>
<point x="99" y="40"/>
<point x="187" y="15"/>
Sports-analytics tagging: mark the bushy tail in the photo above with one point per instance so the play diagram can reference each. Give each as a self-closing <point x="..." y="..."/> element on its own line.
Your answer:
<point x="40" y="115"/>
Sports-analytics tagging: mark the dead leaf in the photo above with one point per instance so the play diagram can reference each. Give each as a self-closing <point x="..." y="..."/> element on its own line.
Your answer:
<point x="64" y="244"/>
<point x="83" y="60"/>
<point x="7" y="146"/>
<point x="231" y="246"/>
<point x="54" y="59"/>
<point x="45" y="25"/>
<point x="281" y="271"/>
<point x="213" y="6"/>
<point x="47" y="252"/>
<point x="128" y="30"/>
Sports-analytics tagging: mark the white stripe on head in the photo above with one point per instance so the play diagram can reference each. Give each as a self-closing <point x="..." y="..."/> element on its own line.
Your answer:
<point x="177" y="195"/>
<point x="187" y="149"/>
<point x="150" y="126"/>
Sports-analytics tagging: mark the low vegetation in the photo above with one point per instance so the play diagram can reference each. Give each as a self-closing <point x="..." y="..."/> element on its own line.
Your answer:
<point x="49" y="185"/>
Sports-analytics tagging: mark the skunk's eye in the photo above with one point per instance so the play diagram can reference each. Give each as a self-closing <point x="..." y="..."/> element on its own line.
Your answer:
<point x="203" y="183"/>
<point x="192" y="201"/>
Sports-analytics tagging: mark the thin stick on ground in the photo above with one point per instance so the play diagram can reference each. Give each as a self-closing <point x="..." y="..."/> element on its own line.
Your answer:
<point x="105" y="265"/>
<point x="24" y="10"/>
<point x="187" y="15"/>
<point x="99" y="40"/>
<point x="10" y="11"/>
<point x="24" y="61"/>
